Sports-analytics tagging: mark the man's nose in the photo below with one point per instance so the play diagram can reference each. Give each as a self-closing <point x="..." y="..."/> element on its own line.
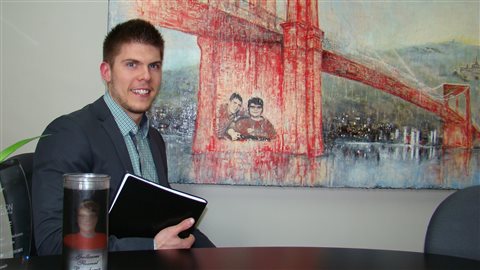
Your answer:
<point x="145" y="74"/>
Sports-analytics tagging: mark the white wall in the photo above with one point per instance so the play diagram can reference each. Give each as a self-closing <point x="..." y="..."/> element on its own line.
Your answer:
<point x="50" y="55"/>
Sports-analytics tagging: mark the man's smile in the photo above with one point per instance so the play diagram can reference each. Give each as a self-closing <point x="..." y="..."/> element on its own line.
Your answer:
<point x="141" y="91"/>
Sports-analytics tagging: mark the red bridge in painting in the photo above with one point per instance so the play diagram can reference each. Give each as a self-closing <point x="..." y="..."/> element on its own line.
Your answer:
<point x="246" y="48"/>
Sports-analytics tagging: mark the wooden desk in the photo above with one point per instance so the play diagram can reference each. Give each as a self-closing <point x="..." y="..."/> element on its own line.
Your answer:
<point x="263" y="258"/>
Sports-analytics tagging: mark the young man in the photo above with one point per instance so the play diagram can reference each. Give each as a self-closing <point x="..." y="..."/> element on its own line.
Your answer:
<point x="227" y="115"/>
<point x="255" y="126"/>
<point x="86" y="237"/>
<point x="110" y="136"/>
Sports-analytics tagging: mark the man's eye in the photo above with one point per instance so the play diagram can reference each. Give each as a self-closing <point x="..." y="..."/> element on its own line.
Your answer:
<point x="155" y="66"/>
<point x="131" y="64"/>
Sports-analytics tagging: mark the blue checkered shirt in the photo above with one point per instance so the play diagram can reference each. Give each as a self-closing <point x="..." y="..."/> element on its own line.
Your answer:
<point x="136" y="139"/>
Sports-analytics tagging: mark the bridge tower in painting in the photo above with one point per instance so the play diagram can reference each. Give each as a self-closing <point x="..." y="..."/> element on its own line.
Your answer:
<point x="457" y="133"/>
<point x="302" y="60"/>
<point x="260" y="55"/>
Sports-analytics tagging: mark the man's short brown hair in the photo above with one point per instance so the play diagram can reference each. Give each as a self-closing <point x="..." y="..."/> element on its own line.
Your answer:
<point x="132" y="31"/>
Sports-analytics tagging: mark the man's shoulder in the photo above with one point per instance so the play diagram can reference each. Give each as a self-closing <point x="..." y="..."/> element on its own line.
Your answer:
<point x="244" y="119"/>
<point x="83" y="116"/>
<point x="265" y="120"/>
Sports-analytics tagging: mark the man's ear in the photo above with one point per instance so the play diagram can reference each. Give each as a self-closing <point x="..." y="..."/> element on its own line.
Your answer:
<point x="106" y="71"/>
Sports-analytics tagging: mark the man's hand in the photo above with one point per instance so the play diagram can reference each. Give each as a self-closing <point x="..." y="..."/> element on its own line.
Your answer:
<point x="168" y="237"/>
<point x="233" y="134"/>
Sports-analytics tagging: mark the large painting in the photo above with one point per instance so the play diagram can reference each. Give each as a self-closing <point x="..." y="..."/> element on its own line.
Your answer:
<point x="362" y="94"/>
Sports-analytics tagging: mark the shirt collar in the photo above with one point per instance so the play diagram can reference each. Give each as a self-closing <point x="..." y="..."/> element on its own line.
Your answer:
<point x="124" y="122"/>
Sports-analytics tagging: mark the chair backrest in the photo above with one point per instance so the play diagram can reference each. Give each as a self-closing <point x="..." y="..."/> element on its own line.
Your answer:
<point x="15" y="180"/>
<point x="454" y="228"/>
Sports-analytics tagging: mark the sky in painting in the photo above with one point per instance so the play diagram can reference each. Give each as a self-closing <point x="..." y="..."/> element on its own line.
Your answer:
<point x="361" y="24"/>
<point x="393" y="24"/>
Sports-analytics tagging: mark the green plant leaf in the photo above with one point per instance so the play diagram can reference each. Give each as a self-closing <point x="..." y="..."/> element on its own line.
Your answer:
<point x="12" y="148"/>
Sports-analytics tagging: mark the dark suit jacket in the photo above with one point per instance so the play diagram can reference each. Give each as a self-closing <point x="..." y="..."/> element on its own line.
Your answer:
<point x="86" y="141"/>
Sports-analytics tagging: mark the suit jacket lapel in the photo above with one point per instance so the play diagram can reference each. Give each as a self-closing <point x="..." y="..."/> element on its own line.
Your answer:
<point x="111" y="128"/>
<point x="157" y="147"/>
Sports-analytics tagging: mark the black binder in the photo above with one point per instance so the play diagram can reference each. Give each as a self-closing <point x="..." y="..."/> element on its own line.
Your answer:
<point x="142" y="208"/>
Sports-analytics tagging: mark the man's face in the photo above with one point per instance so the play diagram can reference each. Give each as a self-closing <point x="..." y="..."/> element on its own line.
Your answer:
<point x="234" y="106"/>
<point x="134" y="78"/>
<point x="87" y="220"/>
<point x="255" y="110"/>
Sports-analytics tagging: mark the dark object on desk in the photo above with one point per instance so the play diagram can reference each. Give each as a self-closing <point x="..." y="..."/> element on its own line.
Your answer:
<point x="264" y="258"/>
<point x="15" y="179"/>
<point x="454" y="228"/>
<point x="142" y="208"/>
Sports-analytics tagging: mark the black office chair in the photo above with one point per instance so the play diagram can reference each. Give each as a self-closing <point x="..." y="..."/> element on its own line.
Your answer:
<point x="454" y="228"/>
<point x="15" y="179"/>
